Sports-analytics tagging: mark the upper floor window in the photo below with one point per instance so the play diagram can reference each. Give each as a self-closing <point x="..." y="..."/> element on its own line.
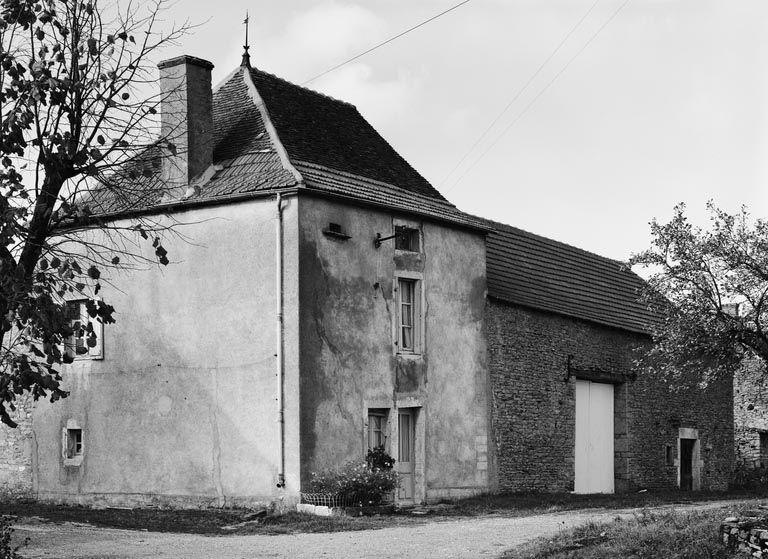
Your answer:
<point x="407" y="238"/>
<point x="85" y="342"/>
<point x="409" y="315"/>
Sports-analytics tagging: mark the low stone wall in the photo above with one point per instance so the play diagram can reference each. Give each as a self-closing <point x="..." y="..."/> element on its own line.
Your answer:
<point x="747" y="533"/>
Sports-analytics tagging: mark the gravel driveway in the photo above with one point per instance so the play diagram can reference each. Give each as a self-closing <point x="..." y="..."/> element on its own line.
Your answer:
<point x="469" y="538"/>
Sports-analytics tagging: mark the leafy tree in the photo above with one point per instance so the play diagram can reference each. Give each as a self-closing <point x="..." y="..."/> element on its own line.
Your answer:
<point x="711" y="288"/>
<point x="74" y="115"/>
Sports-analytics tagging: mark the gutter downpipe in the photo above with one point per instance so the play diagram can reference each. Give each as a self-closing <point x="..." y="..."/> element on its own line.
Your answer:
<point x="279" y="354"/>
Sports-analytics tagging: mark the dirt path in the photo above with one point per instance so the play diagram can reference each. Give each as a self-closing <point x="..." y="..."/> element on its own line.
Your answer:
<point x="482" y="537"/>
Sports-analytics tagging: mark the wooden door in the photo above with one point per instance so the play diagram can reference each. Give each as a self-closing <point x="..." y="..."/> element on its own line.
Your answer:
<point x="593" y="454"/>
<point x="686" y="464"/>
<point x="405" y="453"/>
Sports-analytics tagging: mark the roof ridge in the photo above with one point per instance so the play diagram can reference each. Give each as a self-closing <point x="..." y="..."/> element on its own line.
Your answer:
<point x="272" y="133"/>
<point x="512" y="228"/>
<point x="275" y="76"/>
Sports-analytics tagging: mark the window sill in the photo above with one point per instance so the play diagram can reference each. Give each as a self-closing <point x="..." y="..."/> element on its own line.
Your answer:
<point x="86" y="358"/>
<point x="76" y="461"/>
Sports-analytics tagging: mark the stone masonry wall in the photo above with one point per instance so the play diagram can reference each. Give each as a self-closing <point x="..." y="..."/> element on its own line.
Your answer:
<point x="16" y="453"/>
<point x="534" y="406"/>
<point x="750" y="412"/>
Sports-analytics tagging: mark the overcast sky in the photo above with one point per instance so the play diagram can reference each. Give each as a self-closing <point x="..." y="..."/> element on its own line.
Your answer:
<point x="667" y="104"/>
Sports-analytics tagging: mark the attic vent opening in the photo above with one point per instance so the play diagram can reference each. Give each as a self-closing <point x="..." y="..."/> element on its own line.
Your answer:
<point x="336" y="231"/>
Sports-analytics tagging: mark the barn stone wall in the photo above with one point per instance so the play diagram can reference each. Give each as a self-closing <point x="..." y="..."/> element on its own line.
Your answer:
<point x="534" y="405"/>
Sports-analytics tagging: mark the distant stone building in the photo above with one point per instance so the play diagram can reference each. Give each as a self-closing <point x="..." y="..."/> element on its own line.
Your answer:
<point x="333" y="301"/>
<point x="750" y="413"/>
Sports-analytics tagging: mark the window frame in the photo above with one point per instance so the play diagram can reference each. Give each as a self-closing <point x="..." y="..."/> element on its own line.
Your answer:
<point x="94" y="353"/>
<point x="412" y="234"/>
<point x="416" y="227"/>
<point x="70" y="453"/>
<point x="416" y="280"/>
<point x="383" y="416"/>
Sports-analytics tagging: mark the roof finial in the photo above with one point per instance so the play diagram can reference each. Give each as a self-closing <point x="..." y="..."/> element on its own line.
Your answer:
<point x="246" y="57"/>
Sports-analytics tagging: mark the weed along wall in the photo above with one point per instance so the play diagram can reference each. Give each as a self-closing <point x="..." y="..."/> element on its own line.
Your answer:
<point x="535" y="361"/>
<point x="426" y="402"/>
<point x="181" y="408"/>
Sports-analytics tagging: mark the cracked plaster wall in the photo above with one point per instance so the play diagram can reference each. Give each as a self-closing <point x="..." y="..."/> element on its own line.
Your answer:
<point x="348" y="363"/>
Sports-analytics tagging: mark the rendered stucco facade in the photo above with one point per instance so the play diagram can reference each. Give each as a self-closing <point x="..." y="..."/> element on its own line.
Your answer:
<point x="349" y="360"/>
<point x="181" y="410"/>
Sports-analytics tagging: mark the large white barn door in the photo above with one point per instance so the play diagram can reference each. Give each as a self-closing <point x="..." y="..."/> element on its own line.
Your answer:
<point x="594" y="437"/>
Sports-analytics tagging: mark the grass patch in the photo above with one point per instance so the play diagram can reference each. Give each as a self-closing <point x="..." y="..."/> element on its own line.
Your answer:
<point x="194" y="521"/>
<point x="519" y="504"/>
<point x="668" y="534"/>
<point x="212" y="521"/>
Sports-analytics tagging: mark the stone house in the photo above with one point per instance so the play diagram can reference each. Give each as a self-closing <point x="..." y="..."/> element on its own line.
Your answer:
<point x="332" y="300"/>
<point x="750" y="413"/>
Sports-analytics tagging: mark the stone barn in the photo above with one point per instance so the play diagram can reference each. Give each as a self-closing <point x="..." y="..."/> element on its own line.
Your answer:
<point x="331" y="300"/>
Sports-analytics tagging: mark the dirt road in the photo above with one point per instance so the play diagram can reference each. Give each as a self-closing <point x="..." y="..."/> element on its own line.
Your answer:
<point x="470" y="538"/>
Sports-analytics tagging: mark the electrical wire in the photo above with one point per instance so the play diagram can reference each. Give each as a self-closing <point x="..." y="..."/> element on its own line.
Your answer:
<point x="539" y="94"/>
<point x="373" y="48"/>
<point x="520" y="91"/>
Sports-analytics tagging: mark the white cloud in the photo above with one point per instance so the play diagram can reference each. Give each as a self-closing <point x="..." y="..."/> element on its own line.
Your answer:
<point x="317" y="38"/>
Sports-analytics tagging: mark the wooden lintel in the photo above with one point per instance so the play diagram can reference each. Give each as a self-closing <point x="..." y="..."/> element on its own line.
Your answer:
<point x="596" y="374"/>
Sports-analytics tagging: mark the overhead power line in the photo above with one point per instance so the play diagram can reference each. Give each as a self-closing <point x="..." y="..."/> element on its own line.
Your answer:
<point x="520" y="91"/>
<point x="373" y="48"/>
<point x="539" y="94"/>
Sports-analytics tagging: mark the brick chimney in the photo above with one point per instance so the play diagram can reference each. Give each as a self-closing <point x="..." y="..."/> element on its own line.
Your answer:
<point x="186" y="117"/>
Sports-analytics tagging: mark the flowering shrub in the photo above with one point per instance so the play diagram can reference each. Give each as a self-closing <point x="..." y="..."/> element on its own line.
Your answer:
<point x="356" y="483"/>
<point x="378" y="459"/>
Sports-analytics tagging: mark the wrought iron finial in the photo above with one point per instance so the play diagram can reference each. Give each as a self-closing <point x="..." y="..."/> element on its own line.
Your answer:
<point x="246" y="57"/>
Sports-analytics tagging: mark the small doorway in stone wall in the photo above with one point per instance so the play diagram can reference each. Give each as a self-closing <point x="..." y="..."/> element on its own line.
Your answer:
<point x="406" y="460"/>
<point x="686" y="464"/>
<point x="689" y="462"/>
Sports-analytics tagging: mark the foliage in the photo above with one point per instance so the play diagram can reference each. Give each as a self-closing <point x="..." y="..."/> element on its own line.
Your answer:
<point x="754" y="478"/>
<point x="378" y="459"/>
<point x="356" y="483"/>
<point x="7" y="549"/>
<point x="73" y="110"/>
<point x="711" y="287"/>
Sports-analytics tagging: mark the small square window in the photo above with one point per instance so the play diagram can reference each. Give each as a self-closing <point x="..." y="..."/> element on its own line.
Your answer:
<point x="74" y="443"/>
<point x="407" y="238"/>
